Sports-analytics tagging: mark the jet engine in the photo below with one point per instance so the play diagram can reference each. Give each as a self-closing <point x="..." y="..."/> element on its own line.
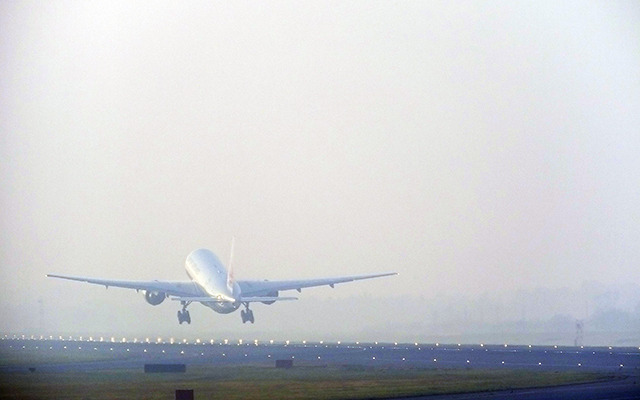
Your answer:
<point x="272" y="294"/>
<point x="154" y="298"/>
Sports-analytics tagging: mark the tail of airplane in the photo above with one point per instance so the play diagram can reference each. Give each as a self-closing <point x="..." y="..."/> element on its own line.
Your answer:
<point x="230" y="278"/>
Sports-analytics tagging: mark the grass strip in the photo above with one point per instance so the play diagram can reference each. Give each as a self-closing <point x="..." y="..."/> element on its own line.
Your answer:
<point x="243" y="382"/>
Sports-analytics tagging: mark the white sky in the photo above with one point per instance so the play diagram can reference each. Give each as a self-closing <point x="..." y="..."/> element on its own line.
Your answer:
<point x="473" y="147"/>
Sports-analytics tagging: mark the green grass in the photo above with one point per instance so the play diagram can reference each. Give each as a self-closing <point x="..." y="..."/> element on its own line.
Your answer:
<point x="335" y="382"/>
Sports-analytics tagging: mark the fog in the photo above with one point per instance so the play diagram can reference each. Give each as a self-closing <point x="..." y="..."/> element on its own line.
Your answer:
<point x="488" y="152"/>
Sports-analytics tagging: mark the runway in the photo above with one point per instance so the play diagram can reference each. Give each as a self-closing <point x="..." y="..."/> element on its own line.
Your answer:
<point x="618" y="389"/>
<point x="225" y="352"/>
<point x="88" y="355"/>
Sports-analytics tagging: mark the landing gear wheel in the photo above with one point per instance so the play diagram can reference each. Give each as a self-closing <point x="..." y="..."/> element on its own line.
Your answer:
<point x="184" y="316"/>
<point x="247" y="315"/>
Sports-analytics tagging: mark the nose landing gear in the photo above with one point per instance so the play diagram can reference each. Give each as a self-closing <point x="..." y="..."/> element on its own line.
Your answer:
<point x="247" y="315"/>
<point x="183" y="315"/>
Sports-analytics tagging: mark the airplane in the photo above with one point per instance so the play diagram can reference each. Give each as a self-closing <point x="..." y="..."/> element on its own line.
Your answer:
<point x="212" y="285"/>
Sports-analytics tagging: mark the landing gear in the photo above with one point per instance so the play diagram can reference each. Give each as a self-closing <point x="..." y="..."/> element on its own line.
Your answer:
<point x="247" y="315"/>
<point x="183" y="315"/>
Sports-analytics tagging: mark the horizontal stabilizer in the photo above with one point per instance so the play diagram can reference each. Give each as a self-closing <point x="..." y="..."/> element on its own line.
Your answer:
<point x="203" y="299"/>
<point x="229" y="300"/>
<point x="265" y="298"/>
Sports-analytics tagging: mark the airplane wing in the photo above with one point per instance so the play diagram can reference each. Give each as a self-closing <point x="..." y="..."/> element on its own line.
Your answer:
<point x="171" y="288"/>
<point x="265" y="288"/>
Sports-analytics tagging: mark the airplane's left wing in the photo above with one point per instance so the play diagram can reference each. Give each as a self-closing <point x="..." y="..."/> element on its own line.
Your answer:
<point x="264" y="288"/>
<point x="171" y="288"/>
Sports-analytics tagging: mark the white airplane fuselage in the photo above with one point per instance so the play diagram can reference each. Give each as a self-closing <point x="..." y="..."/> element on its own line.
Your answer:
<point x="205" y="269"/>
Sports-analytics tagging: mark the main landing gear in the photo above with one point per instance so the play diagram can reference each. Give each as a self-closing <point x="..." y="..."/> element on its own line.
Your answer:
<point x="183" y="315"/>
<point x="247" y="315"/>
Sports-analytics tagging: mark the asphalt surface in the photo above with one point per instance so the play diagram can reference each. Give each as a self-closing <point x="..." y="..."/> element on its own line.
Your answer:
<point x="622" y="363"/>
<point x="626" y="388"/>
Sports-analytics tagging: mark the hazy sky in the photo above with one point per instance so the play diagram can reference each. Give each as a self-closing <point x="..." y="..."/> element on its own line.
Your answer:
<point x="473" y="147"/>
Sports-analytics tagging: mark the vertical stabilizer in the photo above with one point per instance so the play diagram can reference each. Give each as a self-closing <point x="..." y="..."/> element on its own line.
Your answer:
<point x="230" y="278"/>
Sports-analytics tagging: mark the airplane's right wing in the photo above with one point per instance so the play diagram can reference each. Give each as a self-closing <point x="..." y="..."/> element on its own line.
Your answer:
<point x="265" y="288"/>
<point x="171" y="288"/>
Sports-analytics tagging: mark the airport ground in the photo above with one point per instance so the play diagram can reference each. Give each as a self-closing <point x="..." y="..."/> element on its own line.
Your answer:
<point x="90" y="368"/>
